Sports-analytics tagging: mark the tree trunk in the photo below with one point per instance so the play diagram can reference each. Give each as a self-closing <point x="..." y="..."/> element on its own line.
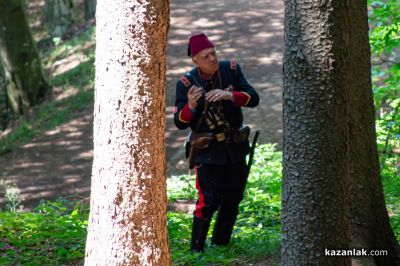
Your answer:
<point x="369" y="218"/>
<point x="315" y="213"/>
<point x="21" y="60"/>
<point x="90" y="9"/>
<point x="127" y="223"/>
<point x="4" y="107"/>
<point x="57" y="16"/>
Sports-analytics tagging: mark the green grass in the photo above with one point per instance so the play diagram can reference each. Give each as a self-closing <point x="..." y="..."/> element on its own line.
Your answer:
<point x="55" y="233"/>
<point x="257" y="231"/>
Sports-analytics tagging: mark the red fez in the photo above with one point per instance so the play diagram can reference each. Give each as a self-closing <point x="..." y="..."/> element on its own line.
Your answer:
<point x="197" y="43"/>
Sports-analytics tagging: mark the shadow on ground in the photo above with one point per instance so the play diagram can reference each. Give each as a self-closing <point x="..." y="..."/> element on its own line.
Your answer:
<point x="58" y="163"/>
<point x="250" y="32"/>
<point x="55" y="164"/>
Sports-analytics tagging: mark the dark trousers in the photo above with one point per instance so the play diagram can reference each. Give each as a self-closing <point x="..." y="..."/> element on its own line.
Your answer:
<point x="220" y="188"/>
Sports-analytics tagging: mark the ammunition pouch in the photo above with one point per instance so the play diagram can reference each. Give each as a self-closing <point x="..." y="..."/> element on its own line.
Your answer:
<point x="200" y="140"/>
<point x="197" y="141"/>
<point x="241" y="134"/>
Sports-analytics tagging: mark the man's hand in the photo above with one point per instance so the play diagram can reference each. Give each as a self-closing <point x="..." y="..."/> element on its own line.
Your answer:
<point x="217" y="95"/>
<point x="193" y="95"/>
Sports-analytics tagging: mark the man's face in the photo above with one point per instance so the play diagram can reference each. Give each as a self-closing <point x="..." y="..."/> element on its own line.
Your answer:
<point x="207" y="61"/>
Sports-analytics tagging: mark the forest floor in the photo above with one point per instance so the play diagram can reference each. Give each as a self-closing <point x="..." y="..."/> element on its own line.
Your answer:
<point x="58" y="162"/>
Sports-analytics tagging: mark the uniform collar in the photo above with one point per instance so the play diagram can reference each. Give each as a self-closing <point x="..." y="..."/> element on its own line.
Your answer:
<point x="204" y="76"/>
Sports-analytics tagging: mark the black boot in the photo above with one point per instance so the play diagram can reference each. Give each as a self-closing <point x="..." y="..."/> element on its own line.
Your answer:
<point x="199" y="234"/>
<point x="223" y="229"/>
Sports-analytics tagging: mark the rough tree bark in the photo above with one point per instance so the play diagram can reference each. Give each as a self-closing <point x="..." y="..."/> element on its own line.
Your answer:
<point x="57" y="16"/>
<point x="315" y="213"/>
<point x="90" y="9"/>
<point x="127" y="223"/>
<point x="328" y="42"/>
<point x="369" y="218"/>
<point x="20" y="57"/>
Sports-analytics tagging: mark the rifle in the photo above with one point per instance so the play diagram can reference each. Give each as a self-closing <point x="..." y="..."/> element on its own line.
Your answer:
<point x="252" y="148"/>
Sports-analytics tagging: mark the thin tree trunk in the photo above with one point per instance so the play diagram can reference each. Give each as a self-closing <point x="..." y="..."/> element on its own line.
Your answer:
<point x="4" y="106"/>
<point x="315" y="213"/>
<point x="57" y="16"/>
<point x="127" y="223"/>
<point x="90" y="9"/>
<point x="21" y="60"/>
<point x="370" y="221"/>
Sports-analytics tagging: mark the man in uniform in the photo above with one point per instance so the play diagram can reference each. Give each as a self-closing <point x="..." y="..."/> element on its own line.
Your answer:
<point x="209" y="99"/>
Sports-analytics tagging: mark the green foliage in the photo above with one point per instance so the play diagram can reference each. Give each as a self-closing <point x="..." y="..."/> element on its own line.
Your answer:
<point x="181" y="187"/>
<point x="384" y="19"/>
<point x="390" y="172"/>
<point x="257" y="231"/>
<point x="54" y="234"/>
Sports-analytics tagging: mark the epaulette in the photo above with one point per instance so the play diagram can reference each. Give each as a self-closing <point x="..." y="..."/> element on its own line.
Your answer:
<point x="185" y="81"/>
<point x="233" y="64"/>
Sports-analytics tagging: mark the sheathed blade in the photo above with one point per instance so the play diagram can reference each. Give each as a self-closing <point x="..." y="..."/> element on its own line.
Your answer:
<point x="253" y="147"/>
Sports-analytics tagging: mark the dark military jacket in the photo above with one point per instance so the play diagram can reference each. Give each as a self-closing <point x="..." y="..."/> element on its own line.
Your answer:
<point x="230" y="78"/>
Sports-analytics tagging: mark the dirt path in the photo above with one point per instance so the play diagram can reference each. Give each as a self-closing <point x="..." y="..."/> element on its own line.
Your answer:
<point x="250" y="32"/>
<point x="59" y="162"/>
